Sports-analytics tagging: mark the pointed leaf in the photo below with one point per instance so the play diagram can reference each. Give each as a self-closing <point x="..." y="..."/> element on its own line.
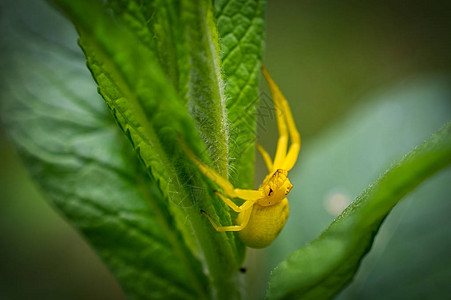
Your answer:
<point x="322" y="268"/>
<point x="79" y="157"/>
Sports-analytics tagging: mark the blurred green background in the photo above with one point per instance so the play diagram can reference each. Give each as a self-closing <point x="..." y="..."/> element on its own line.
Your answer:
<point x="367" y="81"/>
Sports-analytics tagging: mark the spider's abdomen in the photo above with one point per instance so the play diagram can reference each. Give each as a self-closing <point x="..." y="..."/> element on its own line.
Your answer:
<point x="264" y="225"/>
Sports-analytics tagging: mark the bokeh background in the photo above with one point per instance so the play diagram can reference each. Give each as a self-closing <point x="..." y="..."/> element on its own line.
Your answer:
<point x="367" y="81"/>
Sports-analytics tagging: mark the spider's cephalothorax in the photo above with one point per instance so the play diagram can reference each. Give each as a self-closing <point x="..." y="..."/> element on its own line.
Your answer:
<point x="265" y="210"/>
<point x="275" y="187"/>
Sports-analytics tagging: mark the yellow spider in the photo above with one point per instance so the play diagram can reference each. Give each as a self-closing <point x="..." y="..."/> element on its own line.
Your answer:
<point x="265" y="210"/>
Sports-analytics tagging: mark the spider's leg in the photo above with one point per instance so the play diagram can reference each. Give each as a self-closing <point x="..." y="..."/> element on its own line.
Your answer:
<point x="281" y="104"/>
<point x="246" y="216"/>
<point x="295" y="146"/>
<point x="227" y="187"/>
<point x="265" y="156"/>
<point x="282" y="143"/>
<point x="232" y="205"/>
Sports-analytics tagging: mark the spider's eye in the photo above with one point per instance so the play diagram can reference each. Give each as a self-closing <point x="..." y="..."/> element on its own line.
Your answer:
<point x="270" y="191"/>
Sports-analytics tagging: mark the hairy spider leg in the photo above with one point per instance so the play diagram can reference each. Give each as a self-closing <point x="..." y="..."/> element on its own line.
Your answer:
<point x="265" y="156"/>
<point x="282" y="142"/>
<point x="283" y="160"/>
<point x="246" y="205"/>
<point x="293" y="152"/>
<point x="227" y="187"/>
<point x="246" y="216"/>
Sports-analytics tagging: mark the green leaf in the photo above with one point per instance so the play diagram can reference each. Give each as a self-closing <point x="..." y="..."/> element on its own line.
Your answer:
<point x="322" y="268"/>
<point x="205" y="86"/>
<point x="133" y="89"/>
<point x="82" y="161"/>
<point x="158" y="69"/>
<point x="241" y="30"/>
